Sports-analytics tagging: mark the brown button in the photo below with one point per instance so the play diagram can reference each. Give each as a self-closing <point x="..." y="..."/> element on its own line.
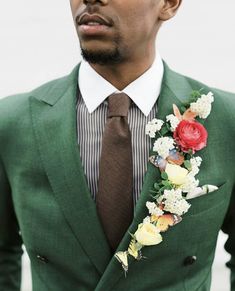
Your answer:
<point x="42" y="259"/>
<point x="190" y="260"/>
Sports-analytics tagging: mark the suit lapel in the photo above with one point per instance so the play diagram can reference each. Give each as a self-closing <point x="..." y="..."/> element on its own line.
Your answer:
<point x="175" y="90"/>
<point x="53" y="113"/>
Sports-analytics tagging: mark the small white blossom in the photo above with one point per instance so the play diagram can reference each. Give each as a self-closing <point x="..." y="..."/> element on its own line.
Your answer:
<point x="174" y="121"/>
<point x="178" y="207"/>
<point x="153" y="209"/>
<point x="190" y="184"/>
<point x="174" y="202"/>
<point x="196" y="160"/>
<point x="203" y="105"/>
<point x="175" y="194"/>
<point x="195" y="164"/>
<point x="153" y="126"/>
<point x="163" y="145"/>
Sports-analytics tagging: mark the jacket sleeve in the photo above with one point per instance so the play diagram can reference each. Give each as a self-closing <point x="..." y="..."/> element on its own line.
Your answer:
<point x="229" y="228"/>
<point x="10" y="239"/>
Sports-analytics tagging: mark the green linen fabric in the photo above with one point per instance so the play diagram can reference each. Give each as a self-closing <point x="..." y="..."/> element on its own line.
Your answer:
<point x="46" y="205"/>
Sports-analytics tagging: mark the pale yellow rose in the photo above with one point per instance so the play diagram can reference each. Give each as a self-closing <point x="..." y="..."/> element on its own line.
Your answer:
<point x="176" y="174"/>
<point x="147" y="234"/>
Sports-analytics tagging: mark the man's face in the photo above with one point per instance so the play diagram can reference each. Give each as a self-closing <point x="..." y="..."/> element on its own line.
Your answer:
<point x="114" y="31"/>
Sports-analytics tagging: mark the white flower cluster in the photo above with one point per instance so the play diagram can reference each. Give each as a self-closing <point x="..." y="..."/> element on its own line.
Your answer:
<point x="190" y="184"/>
<point x="174" y="202"/>
<point x="153" y="126"/>
<point x="174" y="121"/>
<point x="175" y="194"/>
<point x="163" y="145"/>
<point x="195" y="164"/>
<point x="178" y="207"/>
<point x="154" y="209"/>
<point x="203" y="105"/>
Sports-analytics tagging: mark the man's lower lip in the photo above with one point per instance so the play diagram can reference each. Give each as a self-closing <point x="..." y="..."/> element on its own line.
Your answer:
<point x="93" y="29"/>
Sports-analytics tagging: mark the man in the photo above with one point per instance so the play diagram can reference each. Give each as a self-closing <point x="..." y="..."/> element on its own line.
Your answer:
<point x="75" y="180"/>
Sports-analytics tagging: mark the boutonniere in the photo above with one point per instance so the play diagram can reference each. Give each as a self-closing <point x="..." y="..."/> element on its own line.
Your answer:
<point x="176" y="141"/>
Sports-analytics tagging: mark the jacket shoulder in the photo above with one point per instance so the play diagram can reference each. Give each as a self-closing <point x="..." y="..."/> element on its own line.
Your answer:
<point x="182" y="83"/>
<point x="15" y="106"/>
<point x="223" y="105"/>
<point x="225" y="97"/>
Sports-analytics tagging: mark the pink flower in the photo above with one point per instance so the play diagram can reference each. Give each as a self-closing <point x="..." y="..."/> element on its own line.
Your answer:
<point x="190" y="135"/>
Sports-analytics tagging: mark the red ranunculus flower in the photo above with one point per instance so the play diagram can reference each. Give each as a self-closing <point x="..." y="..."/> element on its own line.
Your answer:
<point x="190" y="135"/>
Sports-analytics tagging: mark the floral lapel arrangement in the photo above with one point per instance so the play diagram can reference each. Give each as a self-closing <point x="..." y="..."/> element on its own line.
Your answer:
<point x="178" y="139"/>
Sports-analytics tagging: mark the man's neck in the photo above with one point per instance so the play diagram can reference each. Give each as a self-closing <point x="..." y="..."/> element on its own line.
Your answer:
<point x="121" y="75"/>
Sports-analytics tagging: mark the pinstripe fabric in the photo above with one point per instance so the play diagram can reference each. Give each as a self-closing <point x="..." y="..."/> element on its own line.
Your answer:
<point x="90" y="129"/>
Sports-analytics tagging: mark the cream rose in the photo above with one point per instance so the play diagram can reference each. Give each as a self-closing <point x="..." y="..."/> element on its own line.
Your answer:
<point x="148" y="234"/>
<point x="176" y="174"/>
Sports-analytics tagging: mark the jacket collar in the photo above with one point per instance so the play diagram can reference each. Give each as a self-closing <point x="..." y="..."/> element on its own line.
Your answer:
<point x="51" y="93"/>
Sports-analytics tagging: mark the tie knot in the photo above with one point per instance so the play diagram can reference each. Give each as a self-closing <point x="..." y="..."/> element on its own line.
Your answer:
<point x="118" y="104"/>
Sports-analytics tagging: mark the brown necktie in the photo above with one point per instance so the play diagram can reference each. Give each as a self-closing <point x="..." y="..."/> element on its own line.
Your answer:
<point x="114" y="197"/>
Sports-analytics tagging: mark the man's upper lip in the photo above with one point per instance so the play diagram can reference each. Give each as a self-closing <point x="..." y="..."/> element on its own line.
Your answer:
<point x="85" y="18"/>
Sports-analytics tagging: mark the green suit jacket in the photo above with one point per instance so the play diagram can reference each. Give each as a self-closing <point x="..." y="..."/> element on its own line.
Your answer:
<point x="45" y="202"/>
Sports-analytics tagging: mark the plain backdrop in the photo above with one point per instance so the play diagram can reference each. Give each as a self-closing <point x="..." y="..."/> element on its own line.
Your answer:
<point x="38" y="43"/>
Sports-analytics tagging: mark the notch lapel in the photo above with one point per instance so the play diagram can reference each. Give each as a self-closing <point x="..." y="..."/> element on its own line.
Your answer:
<point x="53" y="114"/>
<point x="175" y="90"/>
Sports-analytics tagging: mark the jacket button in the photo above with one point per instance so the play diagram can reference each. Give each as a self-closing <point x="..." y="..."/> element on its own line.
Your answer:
<point x="190" y="260"/>
<point x="42" y="259"/>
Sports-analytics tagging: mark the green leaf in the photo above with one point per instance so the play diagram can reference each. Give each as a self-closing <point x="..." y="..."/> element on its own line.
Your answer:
<point x="164" y="188"/>
<point x="153" y="191"/>
<point x="183" y="109"/>
<point x="187" y="156"/>
<point x="190" y="152"/>
<point x="156" y="186"/>
<point x="165" y="183"/>
<point x="164" y="130"/>
<point x="164" y="176"/>
<point x="157" y="196"/>
<point x="195" y="95"/>
<point x="168" y="126"/>
<point x="170" y="187"/>
<point x="187" y="165"/>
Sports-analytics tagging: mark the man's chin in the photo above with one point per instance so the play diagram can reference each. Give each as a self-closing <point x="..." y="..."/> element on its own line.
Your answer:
<point x="104" y="57"/>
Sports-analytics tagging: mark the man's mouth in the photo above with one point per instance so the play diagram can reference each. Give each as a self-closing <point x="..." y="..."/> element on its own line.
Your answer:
<point x="88" y="19"/>
<point x="91" y="24"/>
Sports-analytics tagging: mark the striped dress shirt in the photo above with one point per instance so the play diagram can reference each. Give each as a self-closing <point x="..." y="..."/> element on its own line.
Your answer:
<point x="90" y="128"/>
<point x="90" y="131"/>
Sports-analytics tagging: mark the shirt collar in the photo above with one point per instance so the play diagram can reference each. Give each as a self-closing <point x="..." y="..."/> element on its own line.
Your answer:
<point x="143" y="91"/>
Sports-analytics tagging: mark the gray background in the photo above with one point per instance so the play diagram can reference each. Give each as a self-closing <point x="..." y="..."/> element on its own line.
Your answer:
<point x="38" y="43"/>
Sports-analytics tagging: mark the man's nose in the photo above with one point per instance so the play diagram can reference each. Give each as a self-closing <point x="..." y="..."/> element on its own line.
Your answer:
<point x="102" y="2"/>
